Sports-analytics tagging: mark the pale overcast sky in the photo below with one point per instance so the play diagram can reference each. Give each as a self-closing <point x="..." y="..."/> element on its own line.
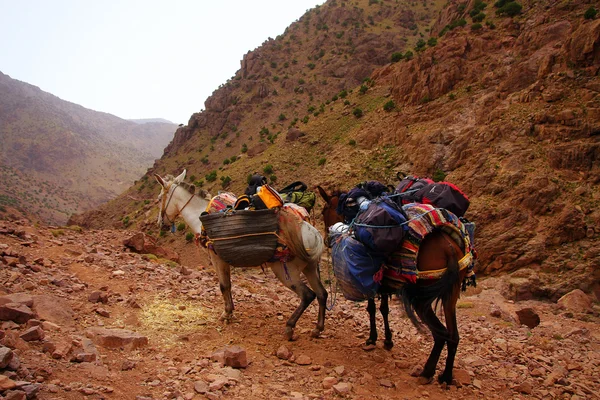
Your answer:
<point x="136" y="59"/>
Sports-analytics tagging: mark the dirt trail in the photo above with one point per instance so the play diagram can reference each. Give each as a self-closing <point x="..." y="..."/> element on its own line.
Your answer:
<point x="177" y="310"/>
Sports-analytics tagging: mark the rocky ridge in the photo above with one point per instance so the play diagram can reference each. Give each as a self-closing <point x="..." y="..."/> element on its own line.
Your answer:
<point x="508" y="112"/>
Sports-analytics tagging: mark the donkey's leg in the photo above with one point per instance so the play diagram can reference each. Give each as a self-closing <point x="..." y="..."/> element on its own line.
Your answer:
<point x="440" y="335"/>
<point x="453" y="338"/>
<point x="384" y="308"/>
<point x="372" y="340"/>
<point x="224" y="274"/>
<point x="311" y="272"/>
<point x="290" y="277"/>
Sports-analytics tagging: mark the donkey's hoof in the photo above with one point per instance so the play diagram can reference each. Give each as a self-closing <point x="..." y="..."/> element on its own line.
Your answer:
<point x="369" y="347"/>
<point x="424" y="380"/>
<point x="289" y="334"/>
<point x="388" y="345"/>
<point x="226" y="317"/>
<point x="315" y="333"/>
<point x="444" y="380"/>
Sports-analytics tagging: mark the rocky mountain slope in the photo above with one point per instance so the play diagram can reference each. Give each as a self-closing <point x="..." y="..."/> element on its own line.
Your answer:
<point x="84" y="317"/>
<point x="503" y="101"/>
<point x="58" y="158"/>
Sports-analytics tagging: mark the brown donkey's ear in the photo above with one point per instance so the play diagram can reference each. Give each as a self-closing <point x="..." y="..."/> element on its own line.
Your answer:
<point x="323" y="194"/>
<point x="159" y="180"/>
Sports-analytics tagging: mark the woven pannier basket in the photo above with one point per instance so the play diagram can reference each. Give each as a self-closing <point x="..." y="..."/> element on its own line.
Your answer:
<point x="243" y="238"/>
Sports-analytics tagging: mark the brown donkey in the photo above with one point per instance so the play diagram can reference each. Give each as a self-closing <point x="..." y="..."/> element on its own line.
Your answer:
<point x="438" y="251"/>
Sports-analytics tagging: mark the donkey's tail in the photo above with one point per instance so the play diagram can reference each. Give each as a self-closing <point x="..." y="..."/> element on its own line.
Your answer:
<point x="419" y="298"/>
<point x="303" y="239"/>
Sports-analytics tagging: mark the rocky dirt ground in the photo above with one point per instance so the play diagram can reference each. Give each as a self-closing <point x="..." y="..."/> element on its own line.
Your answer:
<point x="84" y="317"/>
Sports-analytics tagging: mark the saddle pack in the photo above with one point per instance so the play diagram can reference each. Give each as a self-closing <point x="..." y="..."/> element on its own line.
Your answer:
<point x="381" y="227"/>
<point x="445" y="195"/>
<point x="356" y="268"/>
<point x="296" y="193"/>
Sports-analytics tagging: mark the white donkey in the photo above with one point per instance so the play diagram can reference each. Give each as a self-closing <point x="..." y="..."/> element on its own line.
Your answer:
<point x="179" y="199"/>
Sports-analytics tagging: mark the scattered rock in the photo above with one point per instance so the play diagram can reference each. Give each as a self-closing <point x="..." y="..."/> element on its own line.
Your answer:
<point x="200" y="387"/>
<point x="528" y="317"/>
<point x="303" y="360"/>
<point x="235" y="357"/>
<point x="6" y="356"/>
<point x="329" y="382"/>
<point x="33" y="333"/>
<point x="117" y="338"/>
<point x="6" y="383"/>
<point x="342" y="388"/>
<point x="283" y="353"/>
<point x="576" y="301"/>
<point x="16" y="312"/>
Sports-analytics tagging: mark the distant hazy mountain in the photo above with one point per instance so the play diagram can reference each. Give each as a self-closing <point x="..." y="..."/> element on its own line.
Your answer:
<point x="57" y="157"/>
<point x="151" y="120"/>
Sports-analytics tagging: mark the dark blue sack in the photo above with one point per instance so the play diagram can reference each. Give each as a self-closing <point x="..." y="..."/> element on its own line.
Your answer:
<point x="375" y="188"/>
<point x="348" y="205"/>
<point x="355" y="268"/>
<point x="381" y="226"/>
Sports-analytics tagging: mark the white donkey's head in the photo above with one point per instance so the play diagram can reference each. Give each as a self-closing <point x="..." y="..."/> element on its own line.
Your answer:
<point x="166" y="209"/>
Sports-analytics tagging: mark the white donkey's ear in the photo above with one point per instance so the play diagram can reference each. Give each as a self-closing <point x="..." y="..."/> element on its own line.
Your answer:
<point x="159" y="180"/>
<point x="181" y="177"/>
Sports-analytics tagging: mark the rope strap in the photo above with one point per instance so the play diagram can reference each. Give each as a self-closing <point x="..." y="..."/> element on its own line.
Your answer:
<point x="462" y="264"/>
<point x="245" y="235"/>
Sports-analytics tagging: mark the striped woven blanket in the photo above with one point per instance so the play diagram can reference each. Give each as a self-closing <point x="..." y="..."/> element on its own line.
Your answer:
<point x="423" y="219"/>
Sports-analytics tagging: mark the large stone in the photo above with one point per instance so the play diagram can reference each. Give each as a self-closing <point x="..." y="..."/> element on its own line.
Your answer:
<point x="235" y="357"/>
<point x="462" y="377"/>
<point x="342" y="388"/>
<point x="528" y="316"/>
<point x="142" y="243"/>
<point x="284" y="353"/>
<point x="329" y="382"/>
<point x="53" y="309"/>
<point x="19" y="298"/>
<point x="576" y="301"/>
<point x="6" y="383"/>
<point x="200" y="387"/>
<point x="33" y="333"/>
<point x="116" y="338"/>
<point x="16" y="312"/>
<point x="6" y="356"/>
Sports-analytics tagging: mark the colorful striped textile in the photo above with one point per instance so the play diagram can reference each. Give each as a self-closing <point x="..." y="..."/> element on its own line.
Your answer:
<point x="423" y="219"/>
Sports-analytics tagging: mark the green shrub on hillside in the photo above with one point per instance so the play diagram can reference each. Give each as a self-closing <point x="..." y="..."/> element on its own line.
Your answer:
<point x="389" y="106"/>
<point x="478" y="17"/>
<point x="181" y="226"/>
<point x="189" y="236"/>
<point x="590" y="13"/>
<point x="475" y="27"/>
<point x="357" y="112"/>
<point x="397" y="56"/>
<point x="322" y="161"/>
<point x="510" y="8"/>
<point x="420" y="45"/>
<point x="225" y="180"/>
<point x="438" y="175"/>
<point x="268" y="169"/>
<point x="211" y="176"/>
<point x="431" y="42"/>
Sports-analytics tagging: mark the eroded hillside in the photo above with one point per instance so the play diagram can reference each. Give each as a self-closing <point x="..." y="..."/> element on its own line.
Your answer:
<point x="507" y="107"/>
<point x="58" y="158"/>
